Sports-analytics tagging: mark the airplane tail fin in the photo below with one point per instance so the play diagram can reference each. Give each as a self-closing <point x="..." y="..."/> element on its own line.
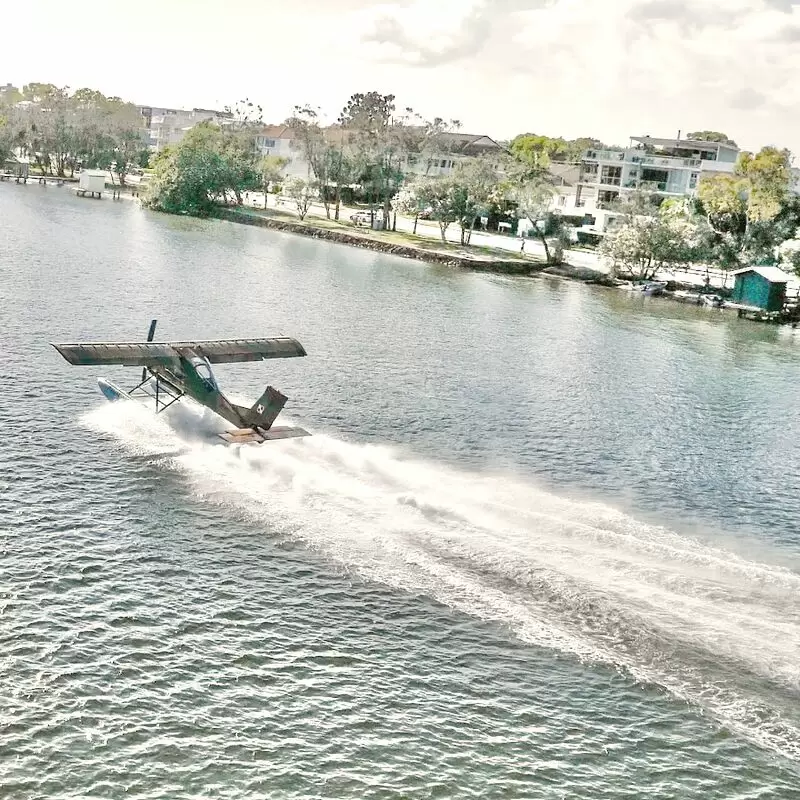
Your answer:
<point x="266" y="409"/>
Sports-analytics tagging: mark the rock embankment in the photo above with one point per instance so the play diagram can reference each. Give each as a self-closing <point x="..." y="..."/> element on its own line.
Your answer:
<point x="507" y="266"/>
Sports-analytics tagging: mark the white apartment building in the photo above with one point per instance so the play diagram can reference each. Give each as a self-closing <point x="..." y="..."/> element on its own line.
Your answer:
<point x="167" y="126"/>
<point x="669" y="167"/>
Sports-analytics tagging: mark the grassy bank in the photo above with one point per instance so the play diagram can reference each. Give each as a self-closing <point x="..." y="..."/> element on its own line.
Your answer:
<point x="480" y="258"/>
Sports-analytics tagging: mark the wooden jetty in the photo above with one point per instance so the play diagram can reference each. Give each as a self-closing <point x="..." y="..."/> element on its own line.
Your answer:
<point x="83" y="192"/>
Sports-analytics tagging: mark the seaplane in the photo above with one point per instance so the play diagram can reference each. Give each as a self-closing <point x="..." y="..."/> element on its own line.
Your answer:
<point x="173" y="370"/>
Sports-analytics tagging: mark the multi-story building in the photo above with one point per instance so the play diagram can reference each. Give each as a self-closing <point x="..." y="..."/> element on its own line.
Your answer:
<point x="167" y="126"/>
<point x="667" y="167"/>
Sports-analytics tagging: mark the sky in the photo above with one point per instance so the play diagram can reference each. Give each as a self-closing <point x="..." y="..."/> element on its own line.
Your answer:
<point x="603" y="68"/>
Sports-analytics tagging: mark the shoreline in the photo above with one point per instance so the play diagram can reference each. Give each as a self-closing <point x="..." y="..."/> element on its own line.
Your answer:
<point x="475" y="263"/>
<point x="517" y="267"/>
<point x="505" y="266"/>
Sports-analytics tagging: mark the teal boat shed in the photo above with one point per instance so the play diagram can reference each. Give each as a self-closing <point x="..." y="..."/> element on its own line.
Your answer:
<point x="763" y="288"/>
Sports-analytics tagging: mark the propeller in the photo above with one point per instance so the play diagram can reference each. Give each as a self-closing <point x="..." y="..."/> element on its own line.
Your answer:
<point x="150" y="334"/>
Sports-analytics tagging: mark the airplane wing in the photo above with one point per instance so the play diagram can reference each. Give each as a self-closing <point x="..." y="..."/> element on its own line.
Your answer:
<point x="154" y="353"/>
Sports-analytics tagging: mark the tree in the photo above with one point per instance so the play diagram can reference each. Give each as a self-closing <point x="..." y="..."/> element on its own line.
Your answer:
<point x="302" y="192"/>
<point x="435" y="140"/>
<point x="240" y="169"/>
<point x="768" y="176"/>
<point x="533" y="199"/>
<point x="408" y="200"/>
<point x="710" y="136"/>
<point x="478" y="180"/>
<point x="652" y="238"/>
<point x="244" y="114"/>
<point x="271" y="170"/>
<point x="789" y="253"/>
<point x="424" y="142"/>
<point x="117" y="129"/>
<point x="189" y="177"/>
<point x="12" y="132"/>
<point x="745" y="209"/>
<point x="442" y="195"/>
<point x="535" y="153"/>
<point x="202" y="170"/>
<point x="367" y="119"/>
<point x="320" y="155"/>
<point x="62" y="131"/>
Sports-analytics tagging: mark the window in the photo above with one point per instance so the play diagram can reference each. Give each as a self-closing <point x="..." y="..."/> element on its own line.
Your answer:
<point x="204" y="373"/>
<point x="611" y="176"/>
<point x="562" y="201"/>
<point x="264" y="142"/>
<point x="693" y="180"/>
<point x="656" y="177"/>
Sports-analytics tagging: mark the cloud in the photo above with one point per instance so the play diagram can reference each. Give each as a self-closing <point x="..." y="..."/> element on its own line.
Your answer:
<point x="427" y="35"/>
<point x="430" y="34"/>
<point x="747" y="99"/>
<point x="607" y="69"/>
<point x="786" y="6"/>
<point x="688" y="13"/>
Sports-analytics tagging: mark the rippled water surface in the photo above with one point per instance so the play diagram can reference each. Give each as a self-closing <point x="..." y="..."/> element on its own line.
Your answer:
<point x="544" y="543"/>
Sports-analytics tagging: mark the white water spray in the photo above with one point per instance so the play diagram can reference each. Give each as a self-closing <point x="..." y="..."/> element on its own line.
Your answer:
<point x="717" y="630"/>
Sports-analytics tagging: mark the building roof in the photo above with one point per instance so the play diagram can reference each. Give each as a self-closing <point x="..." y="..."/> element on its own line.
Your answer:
<point x="772" y="274"/>
<point x="276" y="131"/>
<point x="564" y="173"/>
<point x="686" y="144"/>
<point x="456" y="142"/>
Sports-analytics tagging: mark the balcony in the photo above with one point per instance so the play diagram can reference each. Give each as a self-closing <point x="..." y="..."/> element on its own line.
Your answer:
<point x="665" y="187"/>
<point x="604" y="155"/>
<point x="666" y="161"/>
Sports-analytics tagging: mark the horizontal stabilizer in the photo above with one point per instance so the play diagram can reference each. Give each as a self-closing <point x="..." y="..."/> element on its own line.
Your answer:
<point x="258" y="435"/>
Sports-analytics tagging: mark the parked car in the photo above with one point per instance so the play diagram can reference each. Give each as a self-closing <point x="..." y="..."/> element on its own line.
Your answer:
<point x="426" y="213"/>
<point x="362" y="218"/>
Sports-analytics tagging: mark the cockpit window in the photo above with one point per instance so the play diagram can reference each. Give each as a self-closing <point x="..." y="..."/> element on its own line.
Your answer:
<point x="204" y="371"/>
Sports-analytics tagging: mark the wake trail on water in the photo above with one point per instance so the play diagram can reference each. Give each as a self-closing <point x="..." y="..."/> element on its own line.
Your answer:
<point x="713" y="628"/>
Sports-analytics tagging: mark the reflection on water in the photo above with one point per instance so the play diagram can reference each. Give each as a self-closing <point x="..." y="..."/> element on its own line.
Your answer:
<point x="546" y="535"/>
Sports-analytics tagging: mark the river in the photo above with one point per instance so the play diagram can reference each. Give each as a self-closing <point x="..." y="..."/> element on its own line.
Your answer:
<point x="544" y="542"/>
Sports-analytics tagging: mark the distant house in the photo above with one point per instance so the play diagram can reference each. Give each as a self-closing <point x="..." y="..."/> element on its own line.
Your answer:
<point x="279" y="141"/>
<point x="451" y="148"/>
<point x="760" y="287"/>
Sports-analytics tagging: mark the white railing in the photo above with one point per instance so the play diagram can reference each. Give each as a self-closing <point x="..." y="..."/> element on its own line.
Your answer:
<point x="604" y="155"/>
<point x="666" y="161"/>
<point x="716" y="166"/>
